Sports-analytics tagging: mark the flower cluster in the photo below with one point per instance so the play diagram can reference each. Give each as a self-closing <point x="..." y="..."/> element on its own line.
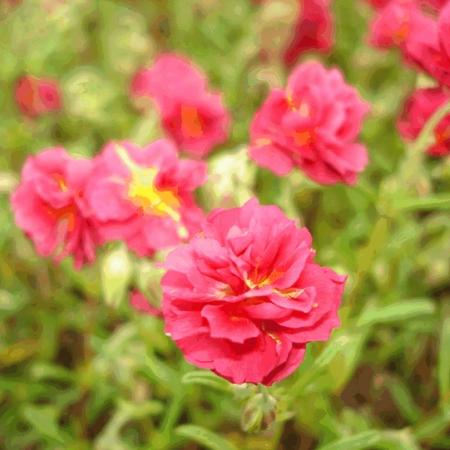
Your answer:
<point x="68" y="206"/>
<point x="242" y="294"/>
<point x="421" y="30"/>
<point x="312" y="124"/>
<point x="421" y="36"/>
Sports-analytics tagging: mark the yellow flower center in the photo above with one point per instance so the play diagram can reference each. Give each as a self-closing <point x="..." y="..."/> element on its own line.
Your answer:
<point x="145" y="195"/>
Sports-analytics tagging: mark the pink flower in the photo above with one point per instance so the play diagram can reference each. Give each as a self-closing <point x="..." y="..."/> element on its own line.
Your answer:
<point x="422" y="39"/>
<point x="418" y="109"/>
<point x="397" y="23"/>
<point x="312" y="124"/>
<point x="244" y="297"/>
<point x="431" y="52"/>
<point x="49" y="206"/>
<point x="434" y="4"/>
<point x="195" y="118"/>
<point x="314" y="30"/>
<point x="142" y="305"/>
<point x="144" y="196"/>
<point x="378" y="3"/>
<point x="37" y="96"/>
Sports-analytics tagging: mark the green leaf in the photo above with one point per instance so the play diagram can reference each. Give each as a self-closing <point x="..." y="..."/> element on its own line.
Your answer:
<point x="366" y="439"/>
<point x="44" y="420"/>
<point x="204" y="437"/>
<point x="404" y="400"/>
<point x="397" y="312"/>
<point x="399" y="440"/>
<point x="444" y="361"/>
<point x="205" y="378"/>
<point x="430" y="203"/>
<point x="434" y="426"/>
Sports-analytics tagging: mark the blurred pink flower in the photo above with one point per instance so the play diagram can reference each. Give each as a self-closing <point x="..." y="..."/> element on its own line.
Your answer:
<point x="37" y="96"/>
<point x="423" y="39"/>
<point x="145" y="196"/>
<point x="434" y="4"/>
<point x="418" y="109"/>
<point x="245" y="297"/>
<point x="194" y="117"/>
<point x="312" y="125"/>
<point x="314" y="30"/>
<point x="49" y="206"/>
<point x="395" y="24"/>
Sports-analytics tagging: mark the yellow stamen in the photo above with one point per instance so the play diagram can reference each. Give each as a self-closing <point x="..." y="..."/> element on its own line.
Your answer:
<point x="61" y="182"/>
<point x="144" y="194"/>
<point x="152" y="200"/>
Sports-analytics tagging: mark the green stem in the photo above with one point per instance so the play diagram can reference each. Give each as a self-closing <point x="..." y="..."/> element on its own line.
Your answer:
<point x="413" y="163"/>
<point x="422" y="141"/>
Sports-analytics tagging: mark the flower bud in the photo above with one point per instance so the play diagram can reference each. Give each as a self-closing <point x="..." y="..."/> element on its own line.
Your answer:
<point x="116" y="272"/>
<point x="259" y="413"/>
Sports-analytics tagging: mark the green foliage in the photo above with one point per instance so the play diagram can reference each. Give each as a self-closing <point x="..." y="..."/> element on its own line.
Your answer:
<point x="80" y="370"/>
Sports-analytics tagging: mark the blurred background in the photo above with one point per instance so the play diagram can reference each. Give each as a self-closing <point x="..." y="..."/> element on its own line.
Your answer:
<point x="80" y="369"/>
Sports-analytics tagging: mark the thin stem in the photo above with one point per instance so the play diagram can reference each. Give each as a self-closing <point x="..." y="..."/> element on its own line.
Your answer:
<point x="413" y="163"/>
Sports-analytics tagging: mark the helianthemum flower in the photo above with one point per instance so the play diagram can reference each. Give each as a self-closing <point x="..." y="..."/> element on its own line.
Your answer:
<point x="313" y="30"/>
<point x="401" y="23"/>
<point x="415" y="30"/>
<point x="433" y="55"/>
<point x="145" y="196"/>
<point x="244" y="297"/>
<point x="194" y="117"/>
<point x="312" y="125"/>
<point x="49" y="206"/>
<point x="418" y="110"/>
<point x="37" y="96"/>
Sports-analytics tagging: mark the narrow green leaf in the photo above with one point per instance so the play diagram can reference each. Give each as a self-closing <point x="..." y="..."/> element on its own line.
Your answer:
<point x="331" y="350"/>
<point x="444" y="361"/>
<point x="366" y="439"/>
<point x="404" y="400"/>
<point x="44" y="420"/>
<point x="204" y="437"/>
<point x="434" y="426"/>
<point x="432" y="202"/>
<point x="399" y="440"/>
<point x="205" y="378"/>
<point x="397" y="312"/>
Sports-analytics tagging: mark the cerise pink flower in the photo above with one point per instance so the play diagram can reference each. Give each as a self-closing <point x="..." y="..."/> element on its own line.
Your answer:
<point x="194" y="117"/>
<point x="37" y="96"/>
<point x="312" y="125"/>
<point x="314" y="30"/>
<point x="418" y="110"/>
<point x="244" y="297"/>
<point x="434" y="4"/>
<point x="50" y="208"/>
<point x="421" y="37"/>
<point x="398" y="23"/>
<point x="145" y="196"/>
